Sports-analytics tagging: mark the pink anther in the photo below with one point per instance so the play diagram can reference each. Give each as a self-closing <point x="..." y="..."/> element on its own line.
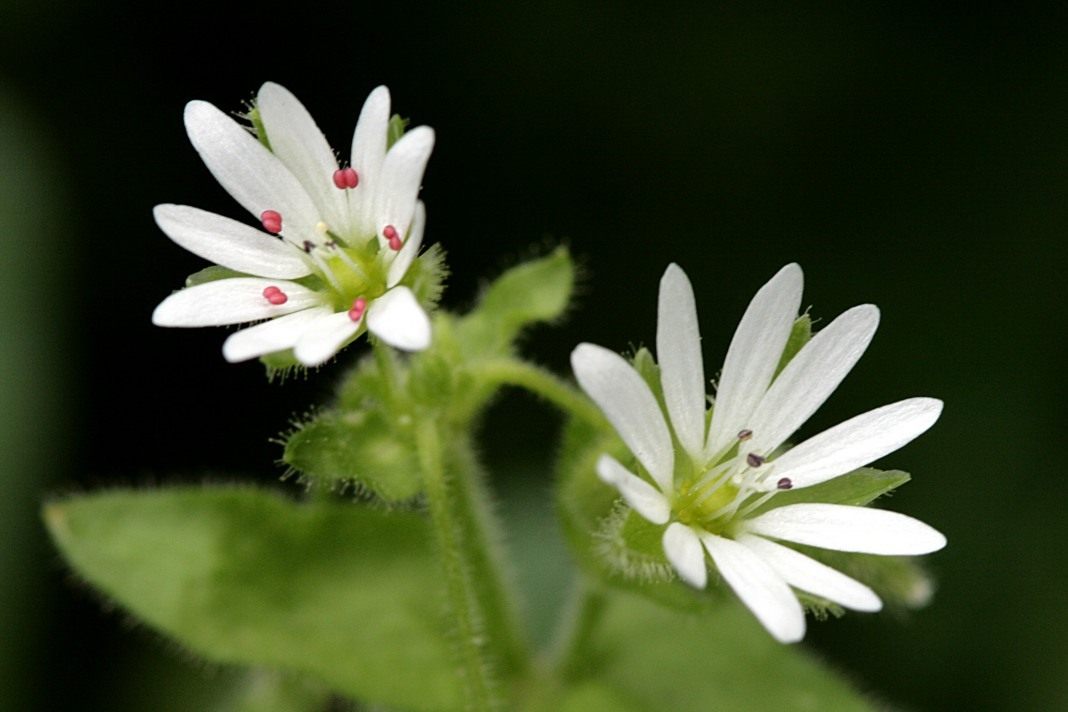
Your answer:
<point x="358" y="308"/>
<point x="275" y="295"/>
<point x="346" y="178"/>
<point x="272" y="221"/>
<point x="393" y="237"/>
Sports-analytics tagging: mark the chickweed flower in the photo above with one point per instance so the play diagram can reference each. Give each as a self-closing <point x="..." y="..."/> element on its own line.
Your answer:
<point x="333" y="243"/>
<point x="711" y="478"/>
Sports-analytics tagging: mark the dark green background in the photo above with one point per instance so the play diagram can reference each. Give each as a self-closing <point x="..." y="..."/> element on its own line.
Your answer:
<point x="911" y="156"/>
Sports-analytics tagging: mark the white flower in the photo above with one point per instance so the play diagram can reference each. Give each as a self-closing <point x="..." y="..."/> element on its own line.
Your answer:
<point x="347" y="233"/>
<point x="706" y="489"/>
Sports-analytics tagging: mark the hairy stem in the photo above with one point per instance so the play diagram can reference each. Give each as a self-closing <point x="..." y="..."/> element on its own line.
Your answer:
<point x="572" y="646"/>
<point x="513" y="372"/>
<point x="445" y="514"/>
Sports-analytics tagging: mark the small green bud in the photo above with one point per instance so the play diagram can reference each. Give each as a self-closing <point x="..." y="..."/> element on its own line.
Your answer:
<point x="361" y="448"/>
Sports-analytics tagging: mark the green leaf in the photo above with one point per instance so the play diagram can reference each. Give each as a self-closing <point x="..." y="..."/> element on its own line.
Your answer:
<point x="658" y="659"/>
<point x="856" y="488"/>
<point x="270" y="691"/>
<point x="342" y="593"/>
<point x="360" y="447"/>
<point x="538" y="290"/>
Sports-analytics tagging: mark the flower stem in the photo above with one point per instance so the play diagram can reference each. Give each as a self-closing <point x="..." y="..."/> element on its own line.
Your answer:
<point x="442" y="499"/>
<point x="572" y="647"/>
<point x="513" y="372"/>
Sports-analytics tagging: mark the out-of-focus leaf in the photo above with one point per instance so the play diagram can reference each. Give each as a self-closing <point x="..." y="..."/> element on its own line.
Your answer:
<point x="658" y="659"/>
<point x="538" y="290"/>
<point x="342" y="593"/>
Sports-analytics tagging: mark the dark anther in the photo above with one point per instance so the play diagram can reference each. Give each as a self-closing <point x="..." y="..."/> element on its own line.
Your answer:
<point x="785" y="484"/>
<point x="309" y="245"/>
<point x="745" y="434"/>
<point x="754" y="460"/>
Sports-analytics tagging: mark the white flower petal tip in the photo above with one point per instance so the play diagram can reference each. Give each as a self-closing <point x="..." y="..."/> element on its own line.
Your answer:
<point x="678" y="350"/>
<point x="856" y="442"/>
<point x="323" y="337"/>
<point x="232" y="301"/>
<point x="229" y="243"/>
<point x="629" y="405"/>
<point x="642" y="497"/>
<point x="753" y="356"/>
<point x="811" y="376"/>
<point x="682" y="547"/>
<point x="397" y="318"/>
<point x="270" y="336"/>
<point x="845" y="528"/>
<point x="759" y="587"/>
<point x="810" y="575"/>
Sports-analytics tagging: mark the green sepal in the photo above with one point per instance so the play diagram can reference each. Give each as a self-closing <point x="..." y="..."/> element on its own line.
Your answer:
<point x="649" y="370"/>
<point x="212" y="274"/>
<point x="339" y="592"/>
<point x="857" y="488"/>
<point x="531" y="292"/>
<point x="397" y="126"/>
<point x="360" y="448"/>
<point x="426" y="276"/>
<point x="800" y="334"/>
<point x="258" y="129"/>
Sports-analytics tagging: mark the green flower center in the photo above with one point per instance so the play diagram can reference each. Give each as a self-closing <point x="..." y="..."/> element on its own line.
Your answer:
<point x="347" y="273"/>
<point x="704" y="504"/>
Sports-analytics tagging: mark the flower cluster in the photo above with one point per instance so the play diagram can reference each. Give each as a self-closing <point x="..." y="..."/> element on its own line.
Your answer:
<point x="711" y="478"/>
<point x="335" y="243"/>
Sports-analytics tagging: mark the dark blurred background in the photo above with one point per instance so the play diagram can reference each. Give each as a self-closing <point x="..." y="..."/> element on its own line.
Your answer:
<point x="914" y="156"/>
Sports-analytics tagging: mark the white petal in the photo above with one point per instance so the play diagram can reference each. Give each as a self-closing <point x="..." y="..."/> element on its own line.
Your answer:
<point x="856" y="442"/>
<point x="678" y="351"/>
<point x="323" y="337"/>
<point x="762" y="590"/>
<point x="845" y="528"/>
<point x="629" y="405"/>
<point x="683" y="549"/>
<point x="270" y="336"/>
<point x="397" y="318"/>
<point x="810" y="575"/>
<point x="229" y="243"/>
<point x="297" y="140"/>
<point x="230" y="301"/>
<point x="753" y="355"/>
<point x="642" y="497"/>
<point x="402" y="173"/>
<point x="399" y="267"/>
<point x="368" y="152"/>
<point x="810" y="378"/>
<point x="254" y="176"/>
